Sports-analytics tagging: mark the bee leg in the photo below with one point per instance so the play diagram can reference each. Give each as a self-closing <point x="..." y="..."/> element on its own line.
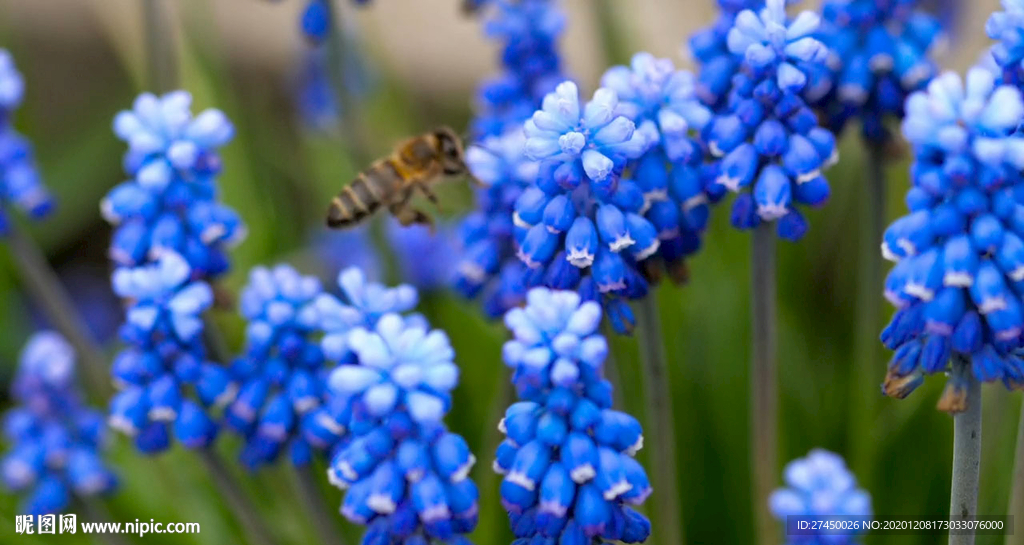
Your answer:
<point x="408" y="215"/>
<point x="431" y="196"/>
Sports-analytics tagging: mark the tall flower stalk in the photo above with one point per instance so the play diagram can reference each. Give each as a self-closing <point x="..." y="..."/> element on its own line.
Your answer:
<point x="771" y="151"/>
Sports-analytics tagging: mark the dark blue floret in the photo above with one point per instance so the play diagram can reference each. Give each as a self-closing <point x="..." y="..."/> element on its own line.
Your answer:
<point x="20" y="184"/>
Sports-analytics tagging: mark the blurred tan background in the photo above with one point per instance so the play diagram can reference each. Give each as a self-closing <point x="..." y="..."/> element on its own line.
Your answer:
<point x="416" y="40"/>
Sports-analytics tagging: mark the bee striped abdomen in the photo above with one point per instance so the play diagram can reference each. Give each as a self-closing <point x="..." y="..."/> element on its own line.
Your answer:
<point x="364" y="195"/>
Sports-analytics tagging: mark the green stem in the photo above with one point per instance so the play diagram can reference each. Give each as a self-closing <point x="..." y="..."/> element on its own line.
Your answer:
<point x="963" y="502"/>
<point x="1016" y="507"/>
<point x="764" y="387"/>
<point x="658" y="401"/>
<point x="161" y="61"/>
<point x="252" y="524"/>
<point x="868" y="368"/>
<point x="352" y="128"/>
<point x="96" y="511"/>
<point x="314" y="505"/>
<point x="44" y="287"/>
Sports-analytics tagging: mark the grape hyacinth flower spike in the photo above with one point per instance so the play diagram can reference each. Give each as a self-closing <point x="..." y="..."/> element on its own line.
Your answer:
<point x="56" y="440"/>
<point x="677" y="191"/>
<point x="770" y="148"/>
<point x="820" y="487"/>
<point x="580" y="225"/>
<point x="170" y="203"/>
<point x="959" y="252"/>
<point x="164" y="378"/>
<point x="406" y="476"/>
<point x="282" y="404"/>
<point x="20" y="184"/>
<point x="568" y="458"/>
<point x="878" y="54"/>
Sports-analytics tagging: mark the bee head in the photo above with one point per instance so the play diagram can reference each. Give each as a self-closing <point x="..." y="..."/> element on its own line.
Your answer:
<point x="452" y="160"/>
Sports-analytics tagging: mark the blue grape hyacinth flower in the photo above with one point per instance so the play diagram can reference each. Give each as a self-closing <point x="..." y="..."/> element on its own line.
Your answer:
<point x="164" y="379"/>
<point x="20" y="184"/>
<point x="406" y="476"/>
<point x="819" y="487"/>
<point x="282" y="403"/>
<point x="487" y="263"/>
<point x="672" y="176"/>
<point x="769" y="146"/>
<point x="170" y="203"/>
<point x="959" y="252"/>
<point x="1007" y="28"/>
<point x="879" y="54"/>
<point x="581" y="224"/>
<point x="56" y="440"/>
<point x="528" y="31"/>
<point x="568" y="463"/>
<point x="426" y="258"/>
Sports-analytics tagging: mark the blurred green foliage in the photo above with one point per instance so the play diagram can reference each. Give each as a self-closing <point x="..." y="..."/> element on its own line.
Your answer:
<point x="278" y="177"/>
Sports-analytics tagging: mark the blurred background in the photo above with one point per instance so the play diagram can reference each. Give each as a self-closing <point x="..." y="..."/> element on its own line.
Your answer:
<point x="417" y="65"/>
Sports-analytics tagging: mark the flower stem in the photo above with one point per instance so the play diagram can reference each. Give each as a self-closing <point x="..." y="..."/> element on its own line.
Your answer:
<point x="658" y="401"/>
<point x="352" y="127"/>
<point x="313" y="502"/>
<point x="764" y="385"/>
<point x="49" y="294"/>
<point x="1016" y="508"/>
<point x="161" y="61"/>
<point x="963" y="502"/>
<point x="256" y="532"/>
<point x="868" y="368"/>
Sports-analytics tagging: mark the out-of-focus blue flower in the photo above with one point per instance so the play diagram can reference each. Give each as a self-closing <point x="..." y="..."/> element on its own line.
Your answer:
<point x="568" y="459"/>
<point x="171" y="201"/>
<point x="529" y="31"/>
<point x="1007" y="28"/>
<point x="20" y="184"/>
<point x="282" y="400"/>
<point x="487" y="261"/>
<point x="163" y="376"/>
<point x="959" y="253"/>
<point x="426" y="259"/>
<point x="769" y="146"/>
<point x="56" y="440"/>
<point x="341" y="249"/>
<point x="676" y="185"/>
<point x="878" y="54"/>
<point x="406" y="476"/>
<point x="820" y="486"/>
<point x="316" y="99"/>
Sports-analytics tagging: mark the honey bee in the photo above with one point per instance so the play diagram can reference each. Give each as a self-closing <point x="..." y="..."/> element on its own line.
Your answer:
<point x="415" y="164"/>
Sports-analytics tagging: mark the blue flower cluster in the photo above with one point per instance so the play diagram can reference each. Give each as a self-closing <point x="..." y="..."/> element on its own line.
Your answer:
<point x="282" y="401"/>
<point x="529" y="31"/>
<point x="488" y="265"/>
<point x="19" y="180"/>
<point x="878" y="54"/>
<point x="820" y="486"/>
<point x="676" y="185"/>
<point x="581" y="224"/>
<point x="959" y="253"/>
<point x="710" y="48"/>
<point x="56" y="440"/>
<point x="406" y="475"/>
<point x="163" y="376"/>
<point x="1007" y="28"/>
<point x="170" y="203"/>
<point x="766" y="136"/>
<point x="567" y="460"/>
